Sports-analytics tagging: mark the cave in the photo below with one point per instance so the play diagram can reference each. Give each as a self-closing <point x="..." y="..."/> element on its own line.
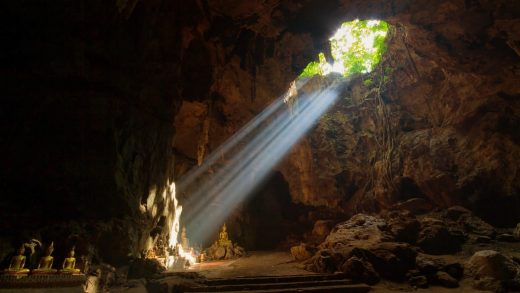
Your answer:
<point x="270" y="215"/>
<point x="188" y="146"/>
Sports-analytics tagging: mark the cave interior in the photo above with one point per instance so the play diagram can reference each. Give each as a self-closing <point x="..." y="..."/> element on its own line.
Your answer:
<point x="133" y="131"/>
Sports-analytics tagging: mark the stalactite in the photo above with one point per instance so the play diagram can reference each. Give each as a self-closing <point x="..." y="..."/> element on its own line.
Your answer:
<point x="204" y="138"/>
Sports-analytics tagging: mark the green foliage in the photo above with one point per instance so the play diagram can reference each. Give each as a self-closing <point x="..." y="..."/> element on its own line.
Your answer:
<point x="357" y="47"/>
<point x="313" y="68"/>
<point x="368" y="82"/>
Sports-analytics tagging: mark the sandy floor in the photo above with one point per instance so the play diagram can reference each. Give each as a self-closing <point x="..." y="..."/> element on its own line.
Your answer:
<point x="255" y="264"/>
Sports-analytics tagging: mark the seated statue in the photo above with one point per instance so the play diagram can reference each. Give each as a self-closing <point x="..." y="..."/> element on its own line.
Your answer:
<point x="17" y="264"/>
<point x="46" y="261"/>
<point x="69" y="264"/>
<point x="223" y="239"/>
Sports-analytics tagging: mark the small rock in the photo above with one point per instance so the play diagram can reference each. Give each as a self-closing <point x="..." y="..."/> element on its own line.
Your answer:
<point x="506" y="238"/>
<point x="361" y="270"/>
<point x="455" y="270"/>
<point x="416" y="206"/>
<point x="428" y="265"/>
<point x="435" y="238"/>
<point x="392" y="259"/>
<point x="446" y="280"/>
<point x="477" y="226"/>
<point x="419" y="282"/>
<point x="483" y="239"/>
<point x="404" y="228"/>
<point x="220" y="252"/>
<point x="301" y="252"/>
<point x="239" y="251"/>
<point x="455" y="212"/>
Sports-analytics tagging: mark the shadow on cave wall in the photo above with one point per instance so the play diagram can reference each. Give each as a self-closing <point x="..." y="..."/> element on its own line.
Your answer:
<point x="268" y="217"/>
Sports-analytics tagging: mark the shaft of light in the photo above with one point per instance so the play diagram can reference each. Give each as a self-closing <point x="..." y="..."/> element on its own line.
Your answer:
<point x="232" y="142"/>
<point x="211" y="202"/>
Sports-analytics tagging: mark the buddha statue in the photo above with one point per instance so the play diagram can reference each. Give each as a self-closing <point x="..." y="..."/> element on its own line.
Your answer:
<point x="69" y="264"/>
<point x="223" y="239"/>
<point x="46" y="261"/>
<point x="17" y="264"/>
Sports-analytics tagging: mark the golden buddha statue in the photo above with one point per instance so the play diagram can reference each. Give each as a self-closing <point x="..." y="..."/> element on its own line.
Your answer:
<point x="17" y="264"/>
<point x="223" y="239"/>
<point x="69" y="264"/>
<point x="46" y="261"/>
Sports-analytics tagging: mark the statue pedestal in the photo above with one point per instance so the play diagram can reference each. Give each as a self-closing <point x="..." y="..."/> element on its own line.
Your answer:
<point x="42" y="283"/>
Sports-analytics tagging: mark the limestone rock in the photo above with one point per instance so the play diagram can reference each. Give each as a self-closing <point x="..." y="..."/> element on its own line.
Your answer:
<point x="436" y="238"/>
<point x="456" y="212"/>
<point x="228" y="251"/>
<point x="368" y="240"/>
<point x="428" y="265"/>
<point x="446" y="280"/>
<point x="492" y="270"/>
<point x="419" y="282"/>
<point x="493" y="264"/>
<point x="360" y="270"/>
<point x="477" y="226"/>
<point x="416" y="206"/>
<point x="321" y="230"/>
<point x="456" y="270"/>
<point x="301" y="252"/>
<point x="403" y="228"/>
<point x="359" y="231"/>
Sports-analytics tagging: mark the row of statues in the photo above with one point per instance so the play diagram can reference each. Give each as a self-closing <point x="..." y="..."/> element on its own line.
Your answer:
<point x="17" y="264"/>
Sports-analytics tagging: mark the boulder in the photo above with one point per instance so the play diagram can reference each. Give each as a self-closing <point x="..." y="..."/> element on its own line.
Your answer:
<point x="403" y="227"/>
<point x="436" y="238"/>
<point x="325" y="261"/>
<point x="493" y="264"/>
<point x="359" y="231"/>
<point x="494" y="271"/>
<point x="360" y="270"/>
<point x="428" y="265"/>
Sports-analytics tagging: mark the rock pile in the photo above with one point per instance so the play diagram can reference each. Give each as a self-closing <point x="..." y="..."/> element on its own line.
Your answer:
<point x="399" y="245"/>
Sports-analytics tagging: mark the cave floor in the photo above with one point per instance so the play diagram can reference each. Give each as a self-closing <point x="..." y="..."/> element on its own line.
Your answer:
<point x="281" y="263"/>
<point x="257" y="263"/>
